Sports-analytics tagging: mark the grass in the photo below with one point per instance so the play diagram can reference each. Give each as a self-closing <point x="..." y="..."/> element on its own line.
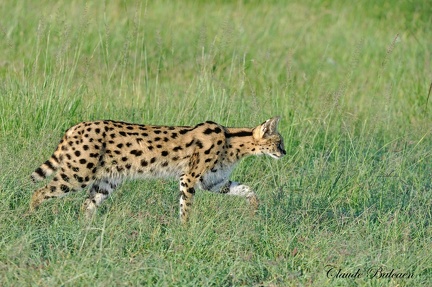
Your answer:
<point x="350" y="82"/>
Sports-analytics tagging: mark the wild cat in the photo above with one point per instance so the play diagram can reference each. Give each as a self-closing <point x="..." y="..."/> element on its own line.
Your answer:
<point x="101" y="154"/>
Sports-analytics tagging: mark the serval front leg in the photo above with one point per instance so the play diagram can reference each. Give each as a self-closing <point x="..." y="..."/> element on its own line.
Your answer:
<point x="187" y="192"/>
<point x="235" y="188"/>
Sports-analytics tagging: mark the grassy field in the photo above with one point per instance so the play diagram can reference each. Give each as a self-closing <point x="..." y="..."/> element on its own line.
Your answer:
<point x="352" y="198"/>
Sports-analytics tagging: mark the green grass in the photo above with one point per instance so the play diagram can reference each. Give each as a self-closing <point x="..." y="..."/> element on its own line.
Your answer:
<point x="350" y="82"/>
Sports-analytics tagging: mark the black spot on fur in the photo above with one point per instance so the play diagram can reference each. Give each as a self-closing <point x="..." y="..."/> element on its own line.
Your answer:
<point x="64" y="188"/>
<point x="184" y="131"/>
<point x="191" y="190"/>
<point x="208" y="131"/>
<point x="177" y="148"/>
<point x="83" y="161"/>
<point x="136" y="152"/>
<point x="199" y="143"/>
<point x="54" y="158"/>
<point x="64" y="177"/>
<point x="208" y="150"/>
<point x="40" y="172"/>
<point x="239" y="134"/>
<point x="78" y="178"/>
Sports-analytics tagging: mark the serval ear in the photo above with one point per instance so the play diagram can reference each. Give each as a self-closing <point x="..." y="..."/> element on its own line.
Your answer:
<point x="267" y="128"/>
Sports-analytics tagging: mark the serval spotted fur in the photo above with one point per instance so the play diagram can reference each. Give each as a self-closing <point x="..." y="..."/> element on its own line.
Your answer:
<point x="101" y="154"/>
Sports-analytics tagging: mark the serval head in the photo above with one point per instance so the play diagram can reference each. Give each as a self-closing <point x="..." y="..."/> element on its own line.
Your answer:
<point x="268" y="139"/>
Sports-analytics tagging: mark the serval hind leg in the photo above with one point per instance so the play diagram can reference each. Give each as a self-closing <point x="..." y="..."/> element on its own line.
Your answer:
<point x="100" y="190"/>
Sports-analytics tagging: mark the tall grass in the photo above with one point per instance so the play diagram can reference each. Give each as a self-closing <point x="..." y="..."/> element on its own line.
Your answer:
<point x="350" y="82"/>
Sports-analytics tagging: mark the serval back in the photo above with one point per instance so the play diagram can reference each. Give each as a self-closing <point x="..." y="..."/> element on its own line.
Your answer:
<point x="101" y="154"/>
